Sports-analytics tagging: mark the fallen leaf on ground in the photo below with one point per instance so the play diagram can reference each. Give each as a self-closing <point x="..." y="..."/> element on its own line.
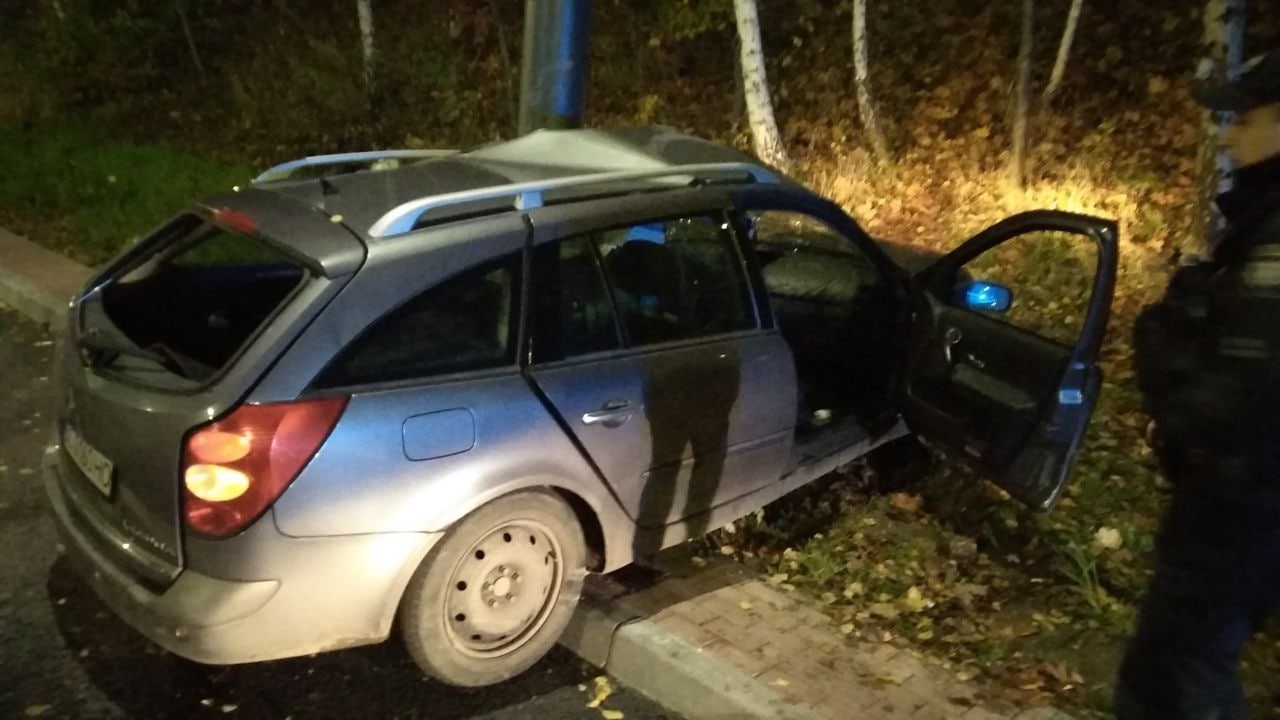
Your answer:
<point x="914" y="601"/>
<point x="884" y="610"/>
<point x="36" y="710"/>
<point x="1108" y="539"/>
<point x="963" y="548"/>
<point x="746" y="605"/>
<point x="611" y="714"/>
<point x="903" y="501"/>
<point x="602" y="691"/>
<point x="968" y="592"/>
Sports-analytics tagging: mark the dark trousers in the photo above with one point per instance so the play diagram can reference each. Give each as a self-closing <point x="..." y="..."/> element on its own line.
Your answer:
<point x="1217" y="580"/>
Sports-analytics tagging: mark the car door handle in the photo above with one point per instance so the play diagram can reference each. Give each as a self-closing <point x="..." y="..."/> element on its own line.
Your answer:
<point x="613" y="414"/>
<point x="950" y="338"/>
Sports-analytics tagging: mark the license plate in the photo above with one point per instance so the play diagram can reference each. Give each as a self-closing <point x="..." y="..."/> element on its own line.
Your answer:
<point x="92" y="463"/>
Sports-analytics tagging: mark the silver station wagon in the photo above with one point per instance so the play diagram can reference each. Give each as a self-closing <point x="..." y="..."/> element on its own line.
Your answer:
<point x="440" y="387"/>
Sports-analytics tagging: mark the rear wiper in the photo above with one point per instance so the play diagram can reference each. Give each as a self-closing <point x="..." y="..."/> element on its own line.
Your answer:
<point x="106" y="350"/>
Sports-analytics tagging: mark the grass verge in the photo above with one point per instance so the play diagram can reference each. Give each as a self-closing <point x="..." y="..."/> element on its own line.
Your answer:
<point x="78" y="193"/>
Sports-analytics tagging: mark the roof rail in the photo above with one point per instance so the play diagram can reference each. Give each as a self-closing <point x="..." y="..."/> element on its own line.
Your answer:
<point x="284" y="170"/>
<point x="528" y="195"/>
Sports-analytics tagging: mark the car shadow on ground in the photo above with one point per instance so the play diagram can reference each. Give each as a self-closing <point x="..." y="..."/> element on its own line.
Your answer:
<point x="143" y="680"/>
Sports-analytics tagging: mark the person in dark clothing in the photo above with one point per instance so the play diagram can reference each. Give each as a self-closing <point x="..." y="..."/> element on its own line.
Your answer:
<point x="1208" y="361"/>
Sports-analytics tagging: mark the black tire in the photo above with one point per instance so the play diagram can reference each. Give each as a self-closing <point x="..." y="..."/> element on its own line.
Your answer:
<point x="494" y="595"/>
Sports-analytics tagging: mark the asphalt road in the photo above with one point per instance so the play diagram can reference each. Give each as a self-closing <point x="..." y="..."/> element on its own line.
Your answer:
<point x="64" y="655"/>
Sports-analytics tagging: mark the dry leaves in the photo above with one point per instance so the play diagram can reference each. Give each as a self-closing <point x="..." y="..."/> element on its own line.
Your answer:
<point x="909" y="503"/>
<point x="601" y="691"/>
<point x="1108" y="539"/>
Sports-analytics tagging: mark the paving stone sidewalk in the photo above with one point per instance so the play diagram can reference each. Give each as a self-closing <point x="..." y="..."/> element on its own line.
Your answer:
<point x="785" y="642"/>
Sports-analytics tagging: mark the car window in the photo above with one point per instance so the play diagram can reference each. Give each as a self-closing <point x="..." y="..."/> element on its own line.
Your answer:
<point x="201" y="294"/>
<point x="1050" y="276"/>
<point x="467" y="322"/>
<point x="676" y="279"/>
<point x="797" y="231"/>
<point x="571" y="314"/>
<point x="226" y="249"/>
<point x="804" y="260"/>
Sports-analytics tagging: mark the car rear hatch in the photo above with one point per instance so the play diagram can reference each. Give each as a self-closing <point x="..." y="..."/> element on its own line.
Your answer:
<point x="170" y="336"/>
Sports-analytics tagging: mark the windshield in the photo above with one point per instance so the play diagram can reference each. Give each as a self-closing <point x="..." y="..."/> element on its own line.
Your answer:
<point x="190" y="304"/>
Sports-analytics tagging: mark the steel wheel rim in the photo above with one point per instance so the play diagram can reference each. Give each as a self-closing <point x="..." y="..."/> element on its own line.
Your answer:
<point x="503" y="589"/>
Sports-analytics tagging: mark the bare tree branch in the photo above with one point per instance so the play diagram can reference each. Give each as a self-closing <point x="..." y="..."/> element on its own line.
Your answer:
<point x="508" y="70"/>
<point x="1064" y="49"/>
<point x="186" y="30"/>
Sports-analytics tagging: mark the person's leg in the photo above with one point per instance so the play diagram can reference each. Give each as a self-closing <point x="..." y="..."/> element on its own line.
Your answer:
<point x="1181" y="663"/>
<point x="1195" y="620"/>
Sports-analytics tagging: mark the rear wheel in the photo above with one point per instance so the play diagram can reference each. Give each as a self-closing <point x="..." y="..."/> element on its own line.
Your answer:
<point x="494" y="595"/>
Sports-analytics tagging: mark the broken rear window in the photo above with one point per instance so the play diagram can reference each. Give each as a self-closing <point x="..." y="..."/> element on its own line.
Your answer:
<point x="200" y="294"/>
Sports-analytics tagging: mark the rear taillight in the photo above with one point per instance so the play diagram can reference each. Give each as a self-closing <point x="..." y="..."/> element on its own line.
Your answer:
<point x="233" y="469"/>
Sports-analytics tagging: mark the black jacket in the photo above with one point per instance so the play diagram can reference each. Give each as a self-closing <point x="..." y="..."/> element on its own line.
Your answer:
<point x="1208" y="353"/>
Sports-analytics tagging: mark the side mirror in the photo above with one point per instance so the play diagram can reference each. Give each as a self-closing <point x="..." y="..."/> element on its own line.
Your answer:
<point x="983" y="296"/>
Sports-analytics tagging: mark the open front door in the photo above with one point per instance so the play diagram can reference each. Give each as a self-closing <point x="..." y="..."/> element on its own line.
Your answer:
<point x="1005" y="334"/>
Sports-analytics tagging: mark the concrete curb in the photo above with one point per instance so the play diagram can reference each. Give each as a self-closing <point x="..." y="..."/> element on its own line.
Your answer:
<point x="669" y="670"/>
<point x="636" y="651"/>
<point x="37" y="282"/>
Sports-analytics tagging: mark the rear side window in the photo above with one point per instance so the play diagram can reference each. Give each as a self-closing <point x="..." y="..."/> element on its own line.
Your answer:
<point x="676" y="279"/>
<point x="572" y="314"/>
<point x="467" y="322"/>
<point x="200" y="297"/>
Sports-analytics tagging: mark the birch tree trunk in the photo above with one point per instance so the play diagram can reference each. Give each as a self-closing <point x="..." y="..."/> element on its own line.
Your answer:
<point x="364" y="8"/>
<point x="1223" y="56"/>
<point x="1064" y="49"/>
<point x="739" y="92"/>
<point x="1022" y="99"/>
<point x="764" y="128"/>
<point x="866" y="106"/>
